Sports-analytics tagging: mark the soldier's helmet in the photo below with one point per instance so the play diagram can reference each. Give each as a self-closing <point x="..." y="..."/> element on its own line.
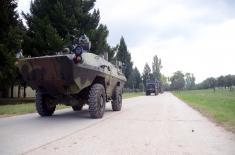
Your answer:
<point x="84" y="42"/>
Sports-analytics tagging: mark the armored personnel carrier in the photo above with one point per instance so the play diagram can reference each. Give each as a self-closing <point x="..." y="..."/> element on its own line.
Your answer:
<point x="74" y="80"/>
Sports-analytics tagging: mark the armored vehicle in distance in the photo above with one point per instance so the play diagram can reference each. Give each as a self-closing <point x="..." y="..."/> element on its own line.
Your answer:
<point x="74" y="82"/>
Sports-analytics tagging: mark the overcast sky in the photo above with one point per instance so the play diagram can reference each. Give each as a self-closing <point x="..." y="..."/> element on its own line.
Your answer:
<point x="196" y="36"/>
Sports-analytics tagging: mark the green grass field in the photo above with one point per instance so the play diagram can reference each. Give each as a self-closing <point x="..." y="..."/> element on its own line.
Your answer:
<point x="8" y="110"/>
<point x="218" y="105"/>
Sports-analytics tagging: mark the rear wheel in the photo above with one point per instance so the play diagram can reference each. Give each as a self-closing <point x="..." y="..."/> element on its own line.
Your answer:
<point x="117" y="99"/>
<point x="44" y="105"/>
<point x="77" y="107"/>
<point x="97" y="100"/>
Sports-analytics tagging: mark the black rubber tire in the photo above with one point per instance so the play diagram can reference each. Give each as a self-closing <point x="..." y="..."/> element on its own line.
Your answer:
<point x="77" y="107"/>
<point x="117" y="99"/>
<point x="97" y="101"/>
<point x="42" y="104"/>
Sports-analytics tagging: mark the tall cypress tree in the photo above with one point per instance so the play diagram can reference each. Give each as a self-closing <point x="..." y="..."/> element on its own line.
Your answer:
<point x="134" y="80"/>
<point x="156" y="67"/>
<point x="51" y="22"/>
<point x="124" y="56"/>
<point x="10" y="41"/>
<point x="146" y="73"/>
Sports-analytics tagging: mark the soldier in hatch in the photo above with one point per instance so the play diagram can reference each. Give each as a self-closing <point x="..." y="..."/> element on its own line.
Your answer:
<point x="81" y="45"/>
<point x="85" y="43"/>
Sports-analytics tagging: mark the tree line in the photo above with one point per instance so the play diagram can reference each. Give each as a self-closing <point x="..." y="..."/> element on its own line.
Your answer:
<point x="180" y="81"/>
<point x="227" y="82"/>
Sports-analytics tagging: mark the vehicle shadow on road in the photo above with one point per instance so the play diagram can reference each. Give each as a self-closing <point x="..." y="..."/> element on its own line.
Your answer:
<point x="70" y="115"/>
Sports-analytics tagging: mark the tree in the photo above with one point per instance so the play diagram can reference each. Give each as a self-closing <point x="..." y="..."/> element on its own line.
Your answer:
<point x="208" y="83"/>
<point x="137" y="79"/>
<point x="52" y="22"/>
<point x="134" y="80"/>
<point x="189" y="81"/>
<point x="146" y="73"/>
<point x="111" y="53"/>
<point x="156" y="67"/>
<point x="124" y="56"/>
<point x="165" y="83"/>
<point x="221" y="81"/>
<point x="212" y="83"/>
<point x="233" y="79"/>
<point x="11" y="31"/>
<point x="177" y="81"/>
<point x="229" y="81"/>
<point x="99" y="42"/>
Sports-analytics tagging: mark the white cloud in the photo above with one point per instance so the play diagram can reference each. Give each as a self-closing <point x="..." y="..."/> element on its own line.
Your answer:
<point x="23" y="5"/>
<point x="210" y="53"/>
<point x="192" y="36"/>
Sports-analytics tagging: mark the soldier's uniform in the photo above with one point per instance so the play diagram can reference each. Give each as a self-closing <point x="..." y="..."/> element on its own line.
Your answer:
<point x="85" y="43"/>
<point x="19" y="54"/>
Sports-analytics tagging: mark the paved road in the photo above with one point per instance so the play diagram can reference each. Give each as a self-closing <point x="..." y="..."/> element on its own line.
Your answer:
<point x="146" y="125"/>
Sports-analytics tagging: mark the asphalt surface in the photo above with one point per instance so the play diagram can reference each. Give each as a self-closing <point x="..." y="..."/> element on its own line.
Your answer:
<point x="146" y="125"/>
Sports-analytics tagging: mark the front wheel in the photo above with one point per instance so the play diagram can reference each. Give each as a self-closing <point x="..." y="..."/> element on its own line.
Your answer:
<point x="96" y="101"/>
<point x="117" y="99"/>
<point x="44" y="106"/>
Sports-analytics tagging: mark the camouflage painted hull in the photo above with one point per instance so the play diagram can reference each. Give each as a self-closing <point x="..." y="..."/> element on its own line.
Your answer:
<point x="60" y="75"/>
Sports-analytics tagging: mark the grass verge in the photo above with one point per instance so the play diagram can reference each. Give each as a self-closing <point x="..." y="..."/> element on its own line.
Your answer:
<point x="218" y="105"/>
<point x="18" y="109"/>
<point x="133" y="94"/>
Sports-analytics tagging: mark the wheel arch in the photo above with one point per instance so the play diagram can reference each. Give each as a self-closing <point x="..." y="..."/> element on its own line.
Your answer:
<point x="100" y="80"/>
